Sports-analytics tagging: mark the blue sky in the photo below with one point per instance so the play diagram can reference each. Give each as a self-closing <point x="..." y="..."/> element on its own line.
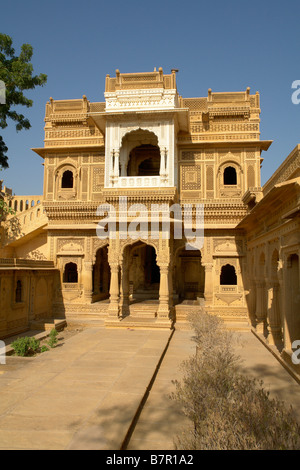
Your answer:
<point x="223" y="45"/>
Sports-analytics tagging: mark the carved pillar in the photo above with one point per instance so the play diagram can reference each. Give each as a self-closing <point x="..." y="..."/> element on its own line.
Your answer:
<point x="112" y="168"/>
<point x="124" y="290"/>
<point x="274" y="314"/>
<point x="113" y="308"/>
<point x="171" y="290"/>
<point x="163" y="259"/>
<point x="209" y="285"/>
<point x="116" y="164"/>
<point x="252" y="302"/>
<point x="261" y="307"/>
<point x="162" y="169"/>
<point x="164" y="293"/>
<point x="87" y="280"/>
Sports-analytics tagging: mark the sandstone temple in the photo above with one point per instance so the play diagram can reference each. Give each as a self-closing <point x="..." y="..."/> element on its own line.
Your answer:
<point x="147" y="145"/>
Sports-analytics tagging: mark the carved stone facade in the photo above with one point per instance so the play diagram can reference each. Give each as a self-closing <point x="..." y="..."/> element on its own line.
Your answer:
<point x="271" y="280"/>
<point x="145" y="144"/>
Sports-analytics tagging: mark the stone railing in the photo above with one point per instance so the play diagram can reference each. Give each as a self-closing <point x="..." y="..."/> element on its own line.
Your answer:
<point x="139" y="182"/>
<point x="24" y="222"/>
<point x="23" y="203"/>
<point x="228" y="289"/>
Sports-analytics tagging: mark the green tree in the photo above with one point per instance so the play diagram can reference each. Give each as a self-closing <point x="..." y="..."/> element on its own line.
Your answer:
<point x="16" y="72"/>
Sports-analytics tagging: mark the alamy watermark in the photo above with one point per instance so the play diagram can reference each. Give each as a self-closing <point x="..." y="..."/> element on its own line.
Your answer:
<point x="296" y="93"/>
<point x="139" y="222"/>
<point x="2" y="353"/>
<point x="296" y="354"/>
<point x="2" y="92"/>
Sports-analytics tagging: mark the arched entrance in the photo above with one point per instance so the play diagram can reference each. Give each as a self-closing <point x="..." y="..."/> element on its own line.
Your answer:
<point x="144" y="273"/>
<point x="140" y="280"/>
<point x="101" y="275"/>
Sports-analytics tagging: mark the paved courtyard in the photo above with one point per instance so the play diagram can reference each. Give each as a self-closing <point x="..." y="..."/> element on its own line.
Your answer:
<point x="82" y="395"/>
<point x="87" y="393"/>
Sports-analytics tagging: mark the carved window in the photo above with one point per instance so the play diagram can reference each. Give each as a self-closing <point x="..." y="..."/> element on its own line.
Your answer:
<point x="71" y="273"/>
<point x="228" y="276"/>
<point x="230" y="177"/>
<point x="67" y="180"/>
<point x="18" y="297"/>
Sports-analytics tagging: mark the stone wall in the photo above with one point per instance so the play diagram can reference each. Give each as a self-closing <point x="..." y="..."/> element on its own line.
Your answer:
<point x="26" y="294"/>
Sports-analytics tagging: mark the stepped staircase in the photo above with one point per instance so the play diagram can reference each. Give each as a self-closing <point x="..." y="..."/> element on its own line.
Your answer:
<point x="23" y="225"/>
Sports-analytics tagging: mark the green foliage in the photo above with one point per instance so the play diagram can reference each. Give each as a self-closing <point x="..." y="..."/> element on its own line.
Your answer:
<point x="53" y="338"/>
<point x="228" y="410"/>
<point x="17" y="74"/>
<point x="25" y="346"/>
<point x="21" y="346"/>
<point x="5" y="209"/>
<point x="34" y="344"/>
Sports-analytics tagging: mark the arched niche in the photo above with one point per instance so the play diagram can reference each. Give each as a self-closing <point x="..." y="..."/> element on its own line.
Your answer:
<point x="137" y="146"/>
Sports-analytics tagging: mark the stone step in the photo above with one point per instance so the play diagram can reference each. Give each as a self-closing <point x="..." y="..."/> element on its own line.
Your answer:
<point x="143" y="314"/>
<point x="47" y="324"/>
<point x="83" y="323"/>
<point x="138" y="322"/>
<point x="85" y="320"/>
<point x="143" y="311"/>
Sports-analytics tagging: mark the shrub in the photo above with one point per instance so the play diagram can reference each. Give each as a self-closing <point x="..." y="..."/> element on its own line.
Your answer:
<point x="227" y="410"/>
<point x="21" y="346"/>
<point x="53" y="338"/>
<point x="34" y="344"/>
<point x="24" y="346"/>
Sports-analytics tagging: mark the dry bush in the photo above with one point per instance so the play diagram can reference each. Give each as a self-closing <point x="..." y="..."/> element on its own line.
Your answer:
<point x="227" y="410"/>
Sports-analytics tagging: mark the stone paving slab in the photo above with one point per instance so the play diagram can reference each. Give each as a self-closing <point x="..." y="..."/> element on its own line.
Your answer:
<point x="86" y="394"/>
<point x="161" y="420"/>
<point x="82" y="395"/>
<point x="259" y="362"/>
